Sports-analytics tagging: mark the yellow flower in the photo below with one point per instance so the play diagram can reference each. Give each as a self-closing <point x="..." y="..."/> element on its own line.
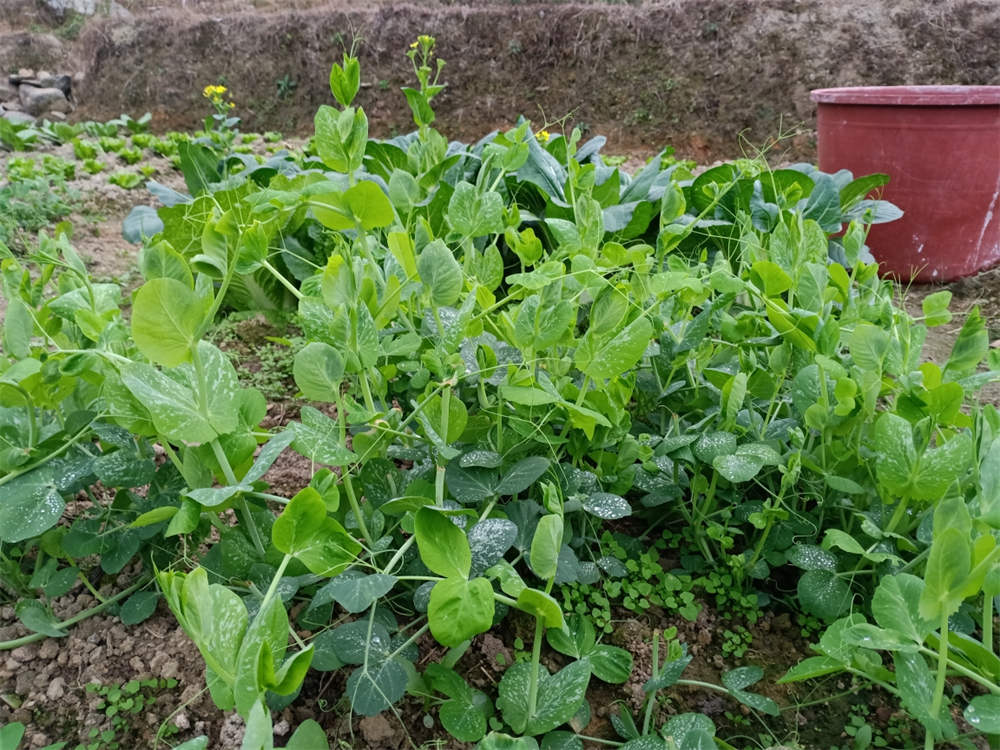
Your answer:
<point x="413" y="45"/>
<point x="543" y="136"/>
<point x="213" y="92"/>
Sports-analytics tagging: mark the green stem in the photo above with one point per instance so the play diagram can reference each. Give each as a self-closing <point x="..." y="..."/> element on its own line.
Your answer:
<point x="898" y="515"/>
<point x="79" y="617"/>
<point x="387" y="570"/>
<point x="352" y="498"/>
<point x="345" y="478"/>
<point x="366" y="392"/>
<point x="942" y="671"/>
<point x="412" y="639"/>
<point x="651" y="700"/>
<point x="536" y="657"/>
<point x="273" y="588"/>
<point x="45" y="459"/>
<point x="988" y="622"/>
<point x="439" y="474"/>
<point x="282" y="280"/>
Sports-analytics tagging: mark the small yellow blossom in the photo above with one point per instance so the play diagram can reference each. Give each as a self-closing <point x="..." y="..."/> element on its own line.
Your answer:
<point x="413" y="45"/>
<point x="213" y="92"/>
<point x="543" y="136"/>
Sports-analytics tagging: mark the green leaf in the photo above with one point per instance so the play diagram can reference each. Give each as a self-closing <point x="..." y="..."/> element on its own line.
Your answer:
<point x="440" y="273"/>
<point x="522" y="475"/>
<point x="948" y="567"/>
<point x="355" y="593"/>
<point x="869" y="346"/>
<point x="690" y="731"/>
<point x="34" y="616"/>
<point x="30" y="504"/>
<point x="172" y="406"/>
<point x="711" y="445"/>
<point x="873" y="637"/>
<point x="500" y="741"/>
<point x="458" y="416"/>
<point x="11" y="735"/>
<point x="610" y="664"/>
<point x="460" y="609"/>
<point x="308" y="736"/>
<point x="969" y="349"/>
<point x="811" y="557"/>
<point x="915" y="683"/>
<point x="138" y="607"/>
<point x="259" y="732"/>
<point x="823" y="594"/>
<point x="895" y="454"/>
<point x="940" y="467"/>
<point x="607" y="506"/>
<point x="344" y="84"/>
<point x="319" y="369"/>
<point x="474" y="214"/>
<point x="443" y="546"/>
<point x="896" y="606"/>
<point x="373" y="689"/>
<point x="318" y="437"/>
<point x="935" y="308"/>
<point x="167" y="318"/>
<point x="808" y="669"/>
<point x="983" y="713"/>
<point x="559" y="696"/>
<point x="541" y="605"/>
<point x="617" y="354"/>
<point x="465" y="712"/>
<point x="17" y="329"/>
<point x="304" y="530"/>
<point x="341" y="137"/>
<point x="545" y="546"/>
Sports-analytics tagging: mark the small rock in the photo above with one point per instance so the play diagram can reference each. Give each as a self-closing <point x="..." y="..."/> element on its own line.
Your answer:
<point x="22" y="653"/>
<point x="376" y="730"/>
<point x="170" y="670"/>
<point x="14" y="105"/>
<point x="7" y="91"/>
<point x="56" y="689"/>
<point x="282" y="728"/>
<point x="231" y="734"/>
<point x="63" y="82"/>
<point x="181" y="721"/>
<point x="22" y="74"/>
<point x="38" y="101"/>
<point x="49" y="649"/>
<point x="39" y="740"/>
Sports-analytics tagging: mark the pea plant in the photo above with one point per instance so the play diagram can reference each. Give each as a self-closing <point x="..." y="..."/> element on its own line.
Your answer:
<point x="507" y="348"/>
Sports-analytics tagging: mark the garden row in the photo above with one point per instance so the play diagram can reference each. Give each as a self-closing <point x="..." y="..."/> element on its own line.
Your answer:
<point x="522" y="373"/>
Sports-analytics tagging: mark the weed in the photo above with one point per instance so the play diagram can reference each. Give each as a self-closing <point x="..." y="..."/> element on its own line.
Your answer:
<point x="286" y="86"/>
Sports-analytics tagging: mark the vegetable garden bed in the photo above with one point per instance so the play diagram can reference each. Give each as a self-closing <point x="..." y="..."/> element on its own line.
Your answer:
<point x="489" y="443"/>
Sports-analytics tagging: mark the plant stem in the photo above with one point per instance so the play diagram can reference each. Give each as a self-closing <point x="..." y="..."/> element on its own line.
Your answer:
<point x="366" y="392"/>
<point x="536" y="656"/>
<point x="345" y="478"/>
<point x="440" y="468"/>
<point x="412" y="639"/>
<point x="651" y="700"/>
<point x="282" y="280"/>
<point x="79" y="617"/>
<point x="988" y="622"/>
<point x="387" y="570"/>
<point x="273" y="588"/>
<point x="942" y="671"/>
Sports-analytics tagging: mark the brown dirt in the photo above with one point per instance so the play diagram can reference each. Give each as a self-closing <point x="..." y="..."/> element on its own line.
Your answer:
<point x="708" y="77"/>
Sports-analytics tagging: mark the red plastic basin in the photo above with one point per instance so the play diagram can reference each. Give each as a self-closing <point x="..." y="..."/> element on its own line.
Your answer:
<point x="940" y="146"/>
